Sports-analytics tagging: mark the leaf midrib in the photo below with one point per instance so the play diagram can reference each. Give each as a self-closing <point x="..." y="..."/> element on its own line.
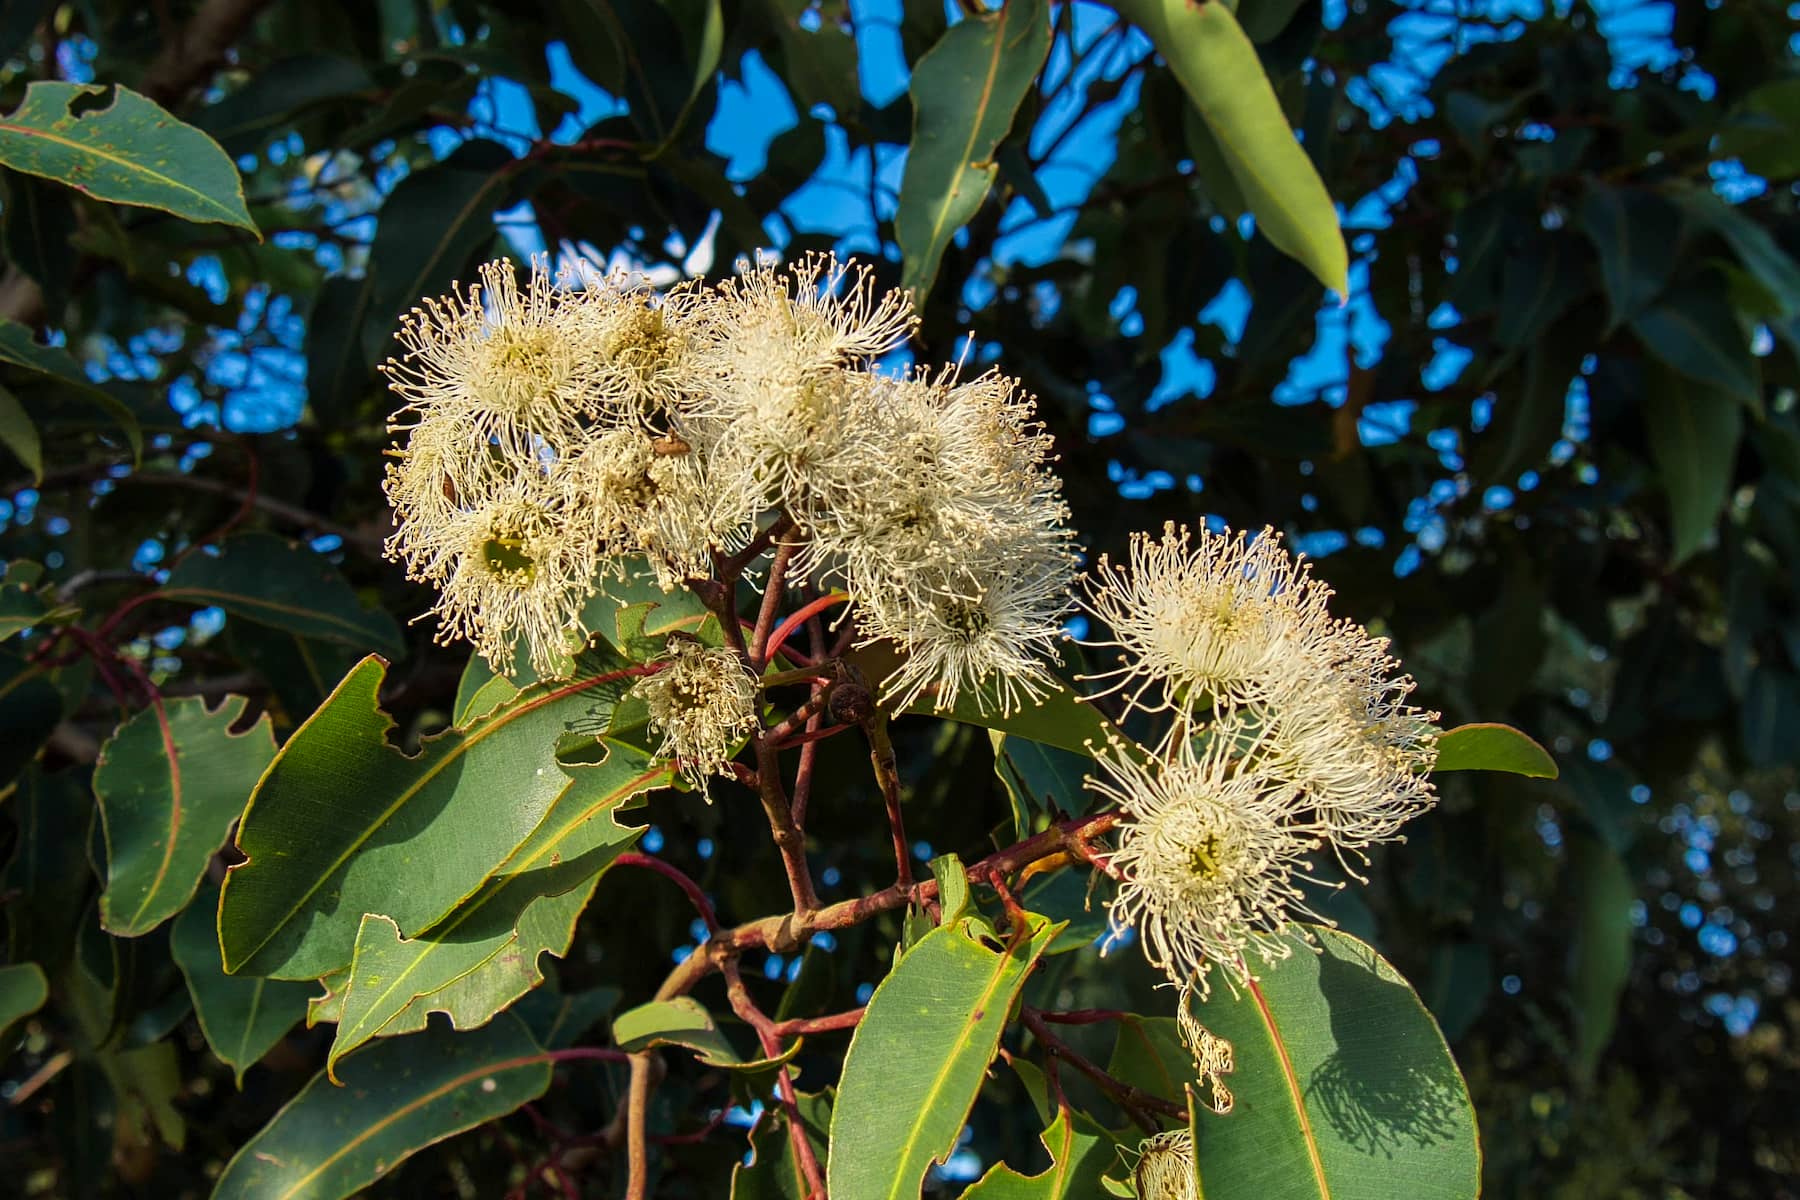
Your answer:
<point x="470" y="740"/>
<point x="1295" y="1095"/>
<point x="124" y="163"/>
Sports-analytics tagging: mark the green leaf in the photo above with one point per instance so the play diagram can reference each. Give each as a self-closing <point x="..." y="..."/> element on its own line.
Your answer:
<point x="919" y="1056"/>
<point x="965" y="93"/>
<point x="242" y="1018"/>
<point x="398" y="1097"/>
<point x="20" y="436"/>
<point x="1764" y="130"/>
<point x="48" y="875"/>
<point x="1537" y="284"/>
<point x="484" y="955"/>
<point x="1600" y="952"/>
<point x="126" y="149"/>
<point x="271" y="581"/>
<point x="685" y="1022"/>
<point x="1755" y="247"/>
<point x="53" y="365"/>
<point x="1344" y="1086"/>
<point x="30" y="707"/>
<point x="300" y="671"/>
<point x="20" y="605"/>
<point x="170" y="781"/>
<point x="145" y="1082"/>
<point x="1636" y="232"/>
<point x="1693" y="432"/>
<point x="341" y="814"/>
<point x="23" y="990"/>
<point x="1493" y="747"/>
<point x="1694" y="330"/>
<point x="953" y="886"/>
<point x="558" y="1019"/>
<point x="337" y="372"/>
<point x="271" y="98"/>
<point x="1074" y="899"/>
<point x="39" y="223"/>
<point x="1077" y="1160"/>
<point x="1219" y="70"/>
<point x="1041" y="779"/>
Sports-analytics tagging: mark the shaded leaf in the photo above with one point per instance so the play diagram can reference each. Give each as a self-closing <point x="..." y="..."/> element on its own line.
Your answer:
<point x="128" y="150"/>
<point x="48" y="875"/>
<point x="20" y="436"/>
<point x="965" y="93"/>
<point x="250" y="115"/>
<point x="398" y="1097"/>
<point x="274" y="582"/>
<point x="1600" y="952"/>
<point x="53" y="365"/>
<point x="341" y="814"/>
<point x="684" y="1021"/>
<point x="30" y="707"/>
<point x="919" y="1056"/>
<point x="1536" y="285"/>
<point x="1344" y="1086"/>
<point x="1493" y="747"/>
<point x="39" y="221"/>
<point x="1693" y="330"/>
<point x="1636" y="232"/>
<point x="774" y="1173"/>
<point x="170" y="781"/>
<point x="484" y="955"/>
<point x="337" y="372"/>
<point x="242" y="1018"/>
<point x="23" y="990"/>
<point x="1693" y="432"/>
<point x="558" y="1019"/>
<point x="1221" y="73"/>
<point x="1755" y="247"/>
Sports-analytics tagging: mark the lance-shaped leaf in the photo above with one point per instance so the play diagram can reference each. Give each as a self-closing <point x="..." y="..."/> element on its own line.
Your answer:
<point x="271" y="581"/>
<point x="1694" y="432"/>
<point x="23" y="990"/>
<point x="170" y="781"/>
<point x="484" y="955"/>
<point x="965" y="92"/>
<point x="1218" y="68"/>
<point x="774" y="1171"/>
<point x="53" y="365"/>
<point x="1077" y="1159"/>
<point x="1493" y="747"/>
<point x="113" y="144"/>
<point x="919" y="1055"/>
<point x="341" y="815"/>
<point x="1345" y="1088"/>
<point x="20" y="436"/>
<point x="397" y="1098"/>
<point x="1636" y="232"/>
<point x="242" y="1017"/>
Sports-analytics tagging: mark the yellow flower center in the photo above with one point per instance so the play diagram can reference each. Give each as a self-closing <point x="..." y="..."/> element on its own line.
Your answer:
<point x="506" y="560"/>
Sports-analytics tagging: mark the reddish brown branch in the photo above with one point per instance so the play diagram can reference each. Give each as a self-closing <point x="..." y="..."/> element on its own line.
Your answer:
<point x="695" y="895"/>
<point x="1134" y="1100"/>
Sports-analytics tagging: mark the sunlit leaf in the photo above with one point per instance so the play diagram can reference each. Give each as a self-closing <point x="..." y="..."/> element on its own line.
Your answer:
<point x="1493" y="747"/>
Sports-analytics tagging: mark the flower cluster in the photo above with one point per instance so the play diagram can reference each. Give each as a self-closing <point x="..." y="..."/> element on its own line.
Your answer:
<point x="556" y="425"/>
<point x="703" y="702"/>
<point x="1288" y="732"/>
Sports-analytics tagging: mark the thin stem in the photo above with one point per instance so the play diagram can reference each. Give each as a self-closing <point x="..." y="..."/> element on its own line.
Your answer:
<point x="800" y="1026"/>
<point x="745" y="1007"/>
<point x="1082" y="1016"/>
<point x="695" y="895"/>
<point x="887" y="774"/>
<point x="773" y="590"/>
<point x="797" y="618"/>
<point x="1135" y="1101"/>
<point x="637" y="1115"/>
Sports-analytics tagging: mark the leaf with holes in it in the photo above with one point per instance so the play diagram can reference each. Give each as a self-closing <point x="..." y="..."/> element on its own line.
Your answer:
<point x="242" y="1017"/>
<point x="484" y="955"/>
<point x="1345" y="1088"/>
<point x="398" y="1097"/>
<point x="341" y="814"/>
<point x="271" y="581"/>
<point x="965" y="93"/>
<point x="1078" y="1156"/>
<point x="113" y="144"/>
<point x="919" y="1056"/>
<point x="170" y="781"/>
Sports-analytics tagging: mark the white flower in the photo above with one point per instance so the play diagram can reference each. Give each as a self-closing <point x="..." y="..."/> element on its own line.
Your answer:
<point x="1165" y="1168"/>
<point x="1211" y="855"/>
<point x="986" y="624"/>
<point x="1213" y="1055"/>
<point x="1206" y="619"/>
<point x="514" y="563"/>
<point x="645" y="495"/>
<point x="703" y="703"/>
